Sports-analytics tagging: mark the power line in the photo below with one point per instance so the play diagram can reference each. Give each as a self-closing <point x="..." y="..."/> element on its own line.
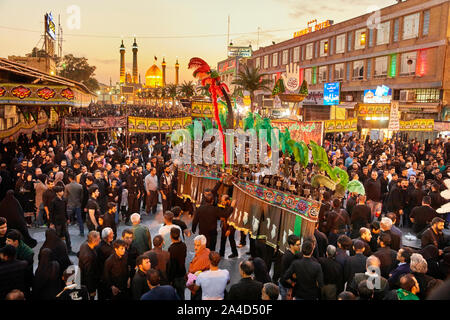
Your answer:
<point x="157" y="36"/>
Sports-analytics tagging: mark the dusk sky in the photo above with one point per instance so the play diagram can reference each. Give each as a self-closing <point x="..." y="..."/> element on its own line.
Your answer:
<point x="167" y="28"/>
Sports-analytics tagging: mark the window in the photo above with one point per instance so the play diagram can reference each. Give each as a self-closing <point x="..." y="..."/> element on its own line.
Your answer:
<point x="408" y="63"/>
<point x="275" y="59"/>
<point x="396" y="27"/>
<point x="302" y="53"/>
<point x="381" y="67"/>
<point x="257" y="63"/>
<point x="360" y="39"/>
<point x="266" y="62"/>
<point x="340" y="43"/>
<point x="309" y="51"/>
<point x="411" y="26"/>
<point x="348" y="71"/>
<point x="426" y="22"/>
<point x="308" y="75"/>
<point x="383" y="33"/>
<point x="330" y="49"/>
<point x="323" y="74"/>
<point x="323" y="48"/>
<point x="369" y="68"/>
<point x="330" y="74"/>
<point x="370" y="38"/>
<point x="316" y="50"/>
<point x="427" y="95"/>
<point x="296" y="54"/>
<point x="358" y="70"/>
<point x="285" y="57"/>
<point x="339" y="72"/>
<point x="349" y="42"/>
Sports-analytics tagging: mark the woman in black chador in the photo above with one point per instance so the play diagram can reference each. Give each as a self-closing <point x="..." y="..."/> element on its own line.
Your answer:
<point x="11" y="209"/>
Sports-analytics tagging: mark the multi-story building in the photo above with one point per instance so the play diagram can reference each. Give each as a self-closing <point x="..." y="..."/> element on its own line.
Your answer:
<point x="403" y="47"/>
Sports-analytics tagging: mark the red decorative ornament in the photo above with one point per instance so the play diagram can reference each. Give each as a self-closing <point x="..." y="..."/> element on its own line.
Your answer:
<point x="67" y="93"/>
<point x="21" y="92"/>
<point x="46" y="93"/>
<point x="2" y="91"/>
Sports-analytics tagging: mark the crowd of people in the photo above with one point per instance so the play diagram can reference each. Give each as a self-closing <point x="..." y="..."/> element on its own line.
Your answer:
<point x="150" y="111"/>
<point x="356" y="251"/>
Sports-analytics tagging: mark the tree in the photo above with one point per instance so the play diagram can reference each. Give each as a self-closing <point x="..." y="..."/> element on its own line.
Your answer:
<point x="187" y="89"/>
<point x="251" y="80"/>
<point x="203" y="91"/>
<point x="172" y="92"/>
<point x="78" y="69"/>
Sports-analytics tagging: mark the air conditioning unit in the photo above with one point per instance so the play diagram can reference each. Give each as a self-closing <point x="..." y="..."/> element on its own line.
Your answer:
<point x="407" y="96"/>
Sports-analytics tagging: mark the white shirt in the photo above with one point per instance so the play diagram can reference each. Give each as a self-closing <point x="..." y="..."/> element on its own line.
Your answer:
<point x="164" y="231"/>
<point x="213" y="284"/>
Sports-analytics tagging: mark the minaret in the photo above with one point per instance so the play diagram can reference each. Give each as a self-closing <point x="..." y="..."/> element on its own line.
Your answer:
<point x="164" y="72"/>
<point x="135" y="67"/>
<point x="122" y="63"/>
<point x="177" y="68"/>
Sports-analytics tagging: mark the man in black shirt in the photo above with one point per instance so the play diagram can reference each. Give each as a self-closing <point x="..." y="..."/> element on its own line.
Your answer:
<point x="12" y="272"/>
<point x="104" y="251"/>
<point x="59" y="218"/>
<point x="421" y="216"/>
<point x="116" y="273"/>
<point x="286" y="260"/>
<point x="387" y="256"/>
<point x="88" y="263"/>
<point x="93" y="209"/>
<point x="333" y="275"/>
<point x="176" y="269"/>
<point x="139" y="284"/>
<point x="246" y="288"/>
<point x="134" y="187"/>
<point x="305" y="275"/>
<point x="361" y="216"/>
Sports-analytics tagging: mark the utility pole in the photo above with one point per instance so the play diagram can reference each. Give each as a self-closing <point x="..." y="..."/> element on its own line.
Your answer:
<point x="228" y="35"/>
<point x="257" y="43"/>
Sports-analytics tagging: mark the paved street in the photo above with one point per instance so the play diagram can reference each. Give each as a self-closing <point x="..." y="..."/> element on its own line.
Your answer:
<point x="153" y="222"/>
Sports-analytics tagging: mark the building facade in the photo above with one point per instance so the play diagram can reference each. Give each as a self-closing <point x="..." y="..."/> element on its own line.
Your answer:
<point x="404" y="50"/>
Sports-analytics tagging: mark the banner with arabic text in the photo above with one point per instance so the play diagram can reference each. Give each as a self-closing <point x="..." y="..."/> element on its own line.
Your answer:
<point x="301" y="131"/>
<point x="340" y="125"/>
<point x="95" y="123"/>
<point x="417" y="125"/>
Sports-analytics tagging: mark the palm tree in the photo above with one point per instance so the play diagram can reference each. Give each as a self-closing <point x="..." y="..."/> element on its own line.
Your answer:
<point x="156" y="93"/>
<point x="251" y="80"/>
<point x="172" y="92"/>
<point x="187" y="89"/>
<point x="203" y="91"/>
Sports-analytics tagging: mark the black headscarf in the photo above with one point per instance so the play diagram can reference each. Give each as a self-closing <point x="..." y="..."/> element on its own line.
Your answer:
<point x="261" y="273"/>
<point x="11" y="209"/>
<point x="47" y="281"/>
<point x="58" y="249"/>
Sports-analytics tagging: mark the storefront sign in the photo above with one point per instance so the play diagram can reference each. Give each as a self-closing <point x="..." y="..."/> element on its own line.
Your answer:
<point x="95" y="123"/>
<point x="314" y="97"/>
<point x="331" y="93"/>
<point x="442" y="126"/>
<point x="382" y="94"/>
<point x="317" y="27"/>
<point x="227" y="66"/>
<point x="340" y="125"/>
<point x="241" y="52"/>
<point x="368" y="110"/>
<point x="417" y="125"/>
<point x="201" y="109"/>
<point x="394" y="118"/>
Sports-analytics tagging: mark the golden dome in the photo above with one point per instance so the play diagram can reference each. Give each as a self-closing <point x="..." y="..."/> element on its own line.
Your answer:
<point x="153" y="77"/>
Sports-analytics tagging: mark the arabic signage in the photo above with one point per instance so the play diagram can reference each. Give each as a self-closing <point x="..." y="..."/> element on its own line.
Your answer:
<point x="340" y="125"/>
<point x="331" y="93"/>
<point x="50" y="26"/>
<point x="202" y="109"/>
<point x="394" y="118"/>
<point x="227" y="66"/>
<point x="241" y="52"/>
<point x="367" y="110"/>
<point x="95" y="123"/>
<point x="417" y="125"/>
<point x="317" y="27"/>
<point x="24" y="94"/>
<point x="382" y="94"/>
<point x="314" y="97"/>
<point x="301" y="131"/>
